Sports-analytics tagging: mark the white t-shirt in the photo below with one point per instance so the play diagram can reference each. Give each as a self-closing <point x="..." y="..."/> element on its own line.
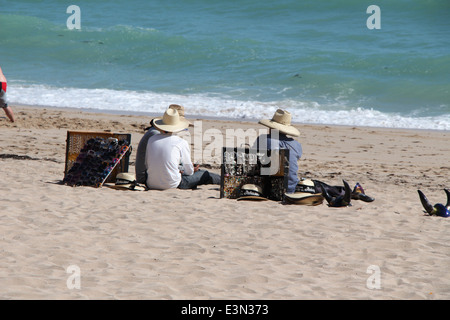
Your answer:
<point x="165" y="154"/>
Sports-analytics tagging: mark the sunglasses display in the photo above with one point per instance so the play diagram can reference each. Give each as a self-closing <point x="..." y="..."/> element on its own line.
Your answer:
<point x="95" y="161"/>
<point x="245" y="166"/>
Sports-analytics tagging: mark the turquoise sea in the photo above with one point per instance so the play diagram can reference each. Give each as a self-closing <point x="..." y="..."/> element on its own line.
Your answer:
<point x="235" y="59"/>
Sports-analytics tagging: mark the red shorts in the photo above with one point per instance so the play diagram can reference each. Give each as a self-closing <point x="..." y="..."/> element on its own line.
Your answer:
<point x="3" y="103"/>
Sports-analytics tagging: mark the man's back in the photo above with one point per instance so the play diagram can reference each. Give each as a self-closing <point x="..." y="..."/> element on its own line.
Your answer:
<point x="165" y="154"/>
<point x="295" y="152"/>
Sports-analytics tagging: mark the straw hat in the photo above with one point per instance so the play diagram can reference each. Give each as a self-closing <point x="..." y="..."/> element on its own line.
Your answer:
<point x="306" y="185"/>
<point x="304" y="198"/>
<point x="180" y="110"/>
<point x="171" y="121"/>
<point x="251" y="192"/>
<point x="281" y="121"/>
<point x="125" y="181"/>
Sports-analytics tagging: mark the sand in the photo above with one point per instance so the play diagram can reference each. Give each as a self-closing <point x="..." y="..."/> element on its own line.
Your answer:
<point x="190" y="244"/>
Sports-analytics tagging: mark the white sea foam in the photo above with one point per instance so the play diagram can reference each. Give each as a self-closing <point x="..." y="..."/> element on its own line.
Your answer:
<point x="222" y="107"/>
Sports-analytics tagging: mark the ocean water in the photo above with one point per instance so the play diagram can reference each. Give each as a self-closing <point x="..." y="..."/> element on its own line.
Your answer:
<point x="235" y="59"/>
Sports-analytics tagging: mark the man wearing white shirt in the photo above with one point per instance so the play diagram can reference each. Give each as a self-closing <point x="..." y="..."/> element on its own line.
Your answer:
<point x="140" y="167"/>
<point x="168" y="157"/>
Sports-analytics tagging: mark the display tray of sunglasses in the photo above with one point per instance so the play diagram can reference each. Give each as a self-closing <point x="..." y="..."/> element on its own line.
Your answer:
<point x="253" y="162"/>
<point x="95" y="161"/>
<point x="76" y="140"/>
<point x="266" y="168"/>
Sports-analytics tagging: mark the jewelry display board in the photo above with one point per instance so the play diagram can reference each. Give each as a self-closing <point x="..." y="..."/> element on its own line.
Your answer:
<point x="268" y="169"/>
<point x="93" y="158"/>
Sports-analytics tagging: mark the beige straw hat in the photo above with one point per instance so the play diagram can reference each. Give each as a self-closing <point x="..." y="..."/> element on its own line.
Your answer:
<point x="304" y="198"/>
<point x="180" y="110"/>
<point x="126" y="181"/>
<point x="171" y="121"/>
<point x="306" y="185"/>
<point x="251" y="192"/>
<point x="281" y="121"/>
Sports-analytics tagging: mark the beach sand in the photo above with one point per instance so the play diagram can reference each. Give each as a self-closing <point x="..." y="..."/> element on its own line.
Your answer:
<point x="190" y="244"/>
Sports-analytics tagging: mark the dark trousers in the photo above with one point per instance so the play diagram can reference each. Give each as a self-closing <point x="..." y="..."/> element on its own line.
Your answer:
<point x="198" y="178"/>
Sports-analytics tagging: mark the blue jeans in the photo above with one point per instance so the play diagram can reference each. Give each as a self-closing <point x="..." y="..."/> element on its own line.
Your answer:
<point x="198" y="178"/>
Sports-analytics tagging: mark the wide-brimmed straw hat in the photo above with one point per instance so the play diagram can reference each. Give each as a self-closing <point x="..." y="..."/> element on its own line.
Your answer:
<point x="305" y="185"/>
<point x="304" y="198"/>
<point x="281" y="121"/>
<point x="171" y="121"/>
<point x="126" y="181"/>
<point x="251" y="192"/>
<point x="180" y="110"/>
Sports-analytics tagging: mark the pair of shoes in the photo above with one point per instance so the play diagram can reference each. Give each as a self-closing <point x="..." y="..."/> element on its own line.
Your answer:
<point x="340" y="200"/>
<point x="358" y="194"/>
<point x="438" y="209"/>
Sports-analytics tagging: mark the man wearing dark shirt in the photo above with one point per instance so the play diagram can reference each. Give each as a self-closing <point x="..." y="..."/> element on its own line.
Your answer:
<point x="280" y="127"/>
